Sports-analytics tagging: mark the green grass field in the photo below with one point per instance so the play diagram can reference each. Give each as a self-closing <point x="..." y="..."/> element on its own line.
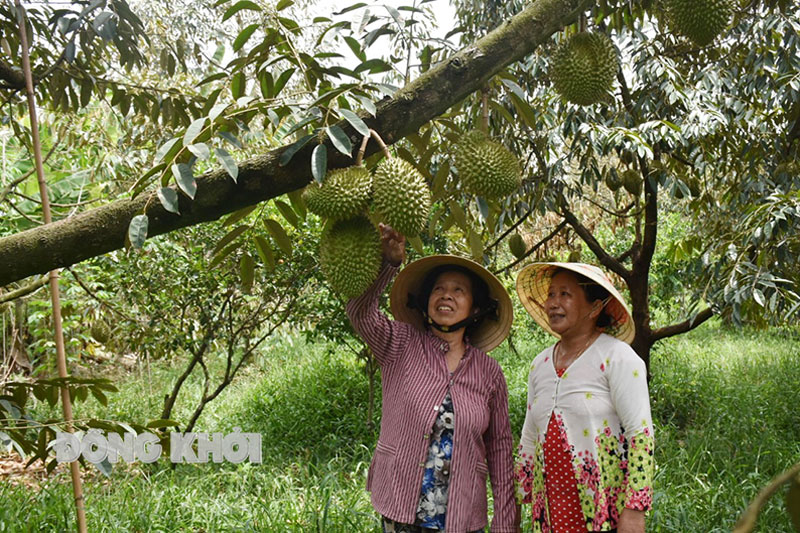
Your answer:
<point x="725" y="404"/>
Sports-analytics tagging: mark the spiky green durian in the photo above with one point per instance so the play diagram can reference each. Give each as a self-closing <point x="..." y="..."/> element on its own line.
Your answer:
<point x="401" y="198"/>
<point x="584" y="67"/>
<point x="350" y="256"/>
<point x="485" y="167"/>
<point x="699" y="20"/>
<point x="344" y="193"/>
<point x="632" y="182"/>
<point x="517" y="245"/>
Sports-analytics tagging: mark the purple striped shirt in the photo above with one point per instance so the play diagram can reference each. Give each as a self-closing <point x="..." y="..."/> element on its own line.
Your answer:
<point x="414" y="379"/>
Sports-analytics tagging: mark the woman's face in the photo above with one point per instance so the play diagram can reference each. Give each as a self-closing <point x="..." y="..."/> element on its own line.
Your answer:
<point x="566" y="306"/>
<point x="451" y="298"/>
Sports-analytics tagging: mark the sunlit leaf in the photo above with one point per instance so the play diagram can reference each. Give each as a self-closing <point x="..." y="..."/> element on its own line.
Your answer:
<point x="340" y="140"/>
<point x="247" y="272"/>
<point x="228" y="163"/>
<point x="185" y="179"/>
<point x="236" y="216"/>
<point x="169" y="199"/>
<point x="265" y="252"/>
<point x="279" y="234"/>
<point x="287" y="212"/>
<point x="200" y="150"/>
<point x="355" y="121"/>
<point x="137" y="231"/>
<point x="193" y="130"/>
<point x="229" y="237"/>
<point x="319" y="162"/>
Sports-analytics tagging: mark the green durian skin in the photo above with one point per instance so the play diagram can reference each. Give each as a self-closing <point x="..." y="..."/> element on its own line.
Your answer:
<point x="344" y="193"/>
<point x="485" y="167"/>
<point x="350" y="256"/>
<point x="401" y="196"/>
<point x="584" y="67"/>
<point x="699" y="20"/>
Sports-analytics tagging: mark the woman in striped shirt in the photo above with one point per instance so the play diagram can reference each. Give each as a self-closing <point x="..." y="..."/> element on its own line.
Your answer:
<point x="444" y="424"/>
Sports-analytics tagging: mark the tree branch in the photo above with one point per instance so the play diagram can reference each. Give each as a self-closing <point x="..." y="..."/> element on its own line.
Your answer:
<point x="596" y="248"/>
<point x="24" y="291"/>
<point x="538" y="245"/>
<point x="104" y="229"/>
<point x="682" y="327"/>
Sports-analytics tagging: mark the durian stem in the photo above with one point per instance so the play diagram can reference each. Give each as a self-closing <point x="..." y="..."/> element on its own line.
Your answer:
<point x="380" y="142"/>
<point x="485" y="109"/>
<point x="362" y="150"/>
<point x="582" y="23"/>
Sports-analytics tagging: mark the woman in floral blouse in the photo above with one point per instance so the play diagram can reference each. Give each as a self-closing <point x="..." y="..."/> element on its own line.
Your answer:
<point x="586" y="451"/>
<point x="444" y="423"/>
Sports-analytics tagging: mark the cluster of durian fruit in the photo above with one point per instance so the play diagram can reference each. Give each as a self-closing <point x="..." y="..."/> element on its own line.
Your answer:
<point x="583" y="67"/>
<point x="354" y="200"/>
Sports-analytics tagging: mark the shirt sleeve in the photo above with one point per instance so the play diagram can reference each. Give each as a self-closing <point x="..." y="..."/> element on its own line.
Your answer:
<point x="627" y="376"/>
<point x="499" y="447"/>
<point x="386" y="338"/>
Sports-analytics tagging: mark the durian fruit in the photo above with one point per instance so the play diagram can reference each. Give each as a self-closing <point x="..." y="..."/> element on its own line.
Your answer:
<point x="699" y="20"/>
<point x="344" y="193"/>
<point x="517" y="245"/>
<point x="485" y="167"/>
<point x="401" y="197"/>
<point x="613" y="181"/>
<point x="632" y="182"/>
<point x="350" y="256"/>
<point x="584" y="67"/>
<point x="100" y="331"/>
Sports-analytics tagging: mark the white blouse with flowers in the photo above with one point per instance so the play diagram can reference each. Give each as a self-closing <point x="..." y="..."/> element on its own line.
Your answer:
<point x="603" y="403"/>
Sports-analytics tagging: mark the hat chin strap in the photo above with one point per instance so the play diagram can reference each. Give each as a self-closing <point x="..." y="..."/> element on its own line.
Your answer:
<point x="490" y="311"/>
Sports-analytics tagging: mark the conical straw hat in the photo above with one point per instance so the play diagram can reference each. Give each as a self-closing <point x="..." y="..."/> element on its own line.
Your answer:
<point x="533" y="283"/>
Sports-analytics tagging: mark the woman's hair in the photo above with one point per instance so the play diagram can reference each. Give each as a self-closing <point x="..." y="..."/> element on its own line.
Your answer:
<point x="480" y="290"/>
<point x="593" y="292"/>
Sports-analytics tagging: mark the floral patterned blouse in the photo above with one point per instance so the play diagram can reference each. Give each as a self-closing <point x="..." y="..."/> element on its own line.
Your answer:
<point x="602" y="403"/>
<point x="436" y="479"/>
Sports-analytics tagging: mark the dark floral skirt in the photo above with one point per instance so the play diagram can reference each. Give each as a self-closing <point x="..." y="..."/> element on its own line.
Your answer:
<point x="390" y="526"/>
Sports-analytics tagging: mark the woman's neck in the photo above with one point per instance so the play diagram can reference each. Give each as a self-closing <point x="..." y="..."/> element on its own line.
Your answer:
<point x="454" y="338"/>
<point x="577" y="341"/>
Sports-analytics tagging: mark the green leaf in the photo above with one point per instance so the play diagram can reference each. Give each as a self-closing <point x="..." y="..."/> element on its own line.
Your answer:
<point x="185" y="179"/>
<point x="169" y="199"/>
<point x="281" y="81"/>
<point x="247" y="272"/>
<point x="296" y="199"/>
<point x="217" y="110"/>
<point x="137" y="231"/>
<point x="293" y="148"/>
<point x="99" y="396"/>
<point x="239" y="6"/>
<point x="340" y="140"/>
<point x="758" y="296"/>
<point x="459" y="215"/>
<point x="355" y="47"/>
<point x="355" y="121"/>
<point x="280" y="236"/>
<point x="476" y="246"/>
<point x="193" y="130"/>
<point x="224" y="253"/>
<point x="374" y="66"/>
<point x="236" y="216"/>
<point x="238" y="85"/>
<point x="229" y="237"/>
<point x="416" y="242"/>
<point x="200" y="150"/>
<point x="230" y="138"/>
<point x="283" y="4"/>
<point x="227" y="163"/>
<point x="264" y="252"/>
<point x="525" y="110"/>
<point x="165" y="149"/>
<point x="288" y="213"/>
<point x="319" y="162"/>
<point x="368" y="104"/>
<point x="162" y="423"/>
<point x="243" y="36"/>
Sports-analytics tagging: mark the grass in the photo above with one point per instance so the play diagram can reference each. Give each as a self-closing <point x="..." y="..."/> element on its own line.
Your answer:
<point x="725" y="404"/>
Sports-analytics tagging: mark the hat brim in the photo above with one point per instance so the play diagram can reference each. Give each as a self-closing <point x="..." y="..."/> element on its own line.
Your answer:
<point x="533" y="283"/>
<point x="488" y="335"/>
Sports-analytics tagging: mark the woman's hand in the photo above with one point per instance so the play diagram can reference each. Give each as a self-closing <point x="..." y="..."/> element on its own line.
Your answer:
<point x="631" y="521"/>
<point x="393" y="244"/>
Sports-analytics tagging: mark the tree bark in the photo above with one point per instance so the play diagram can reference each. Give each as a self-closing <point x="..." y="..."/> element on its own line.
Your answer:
<point x="104" y="229"/>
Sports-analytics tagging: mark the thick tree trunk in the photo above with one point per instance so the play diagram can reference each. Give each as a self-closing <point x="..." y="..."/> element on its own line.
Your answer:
<point x="103" y="229"/>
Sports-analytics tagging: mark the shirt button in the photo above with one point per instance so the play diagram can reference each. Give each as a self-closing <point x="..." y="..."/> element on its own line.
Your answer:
<point x="426" y="436"/>
<point x="435" y="407"/>
<point x="451" y="382"/>
<point x="422" y="465"/>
